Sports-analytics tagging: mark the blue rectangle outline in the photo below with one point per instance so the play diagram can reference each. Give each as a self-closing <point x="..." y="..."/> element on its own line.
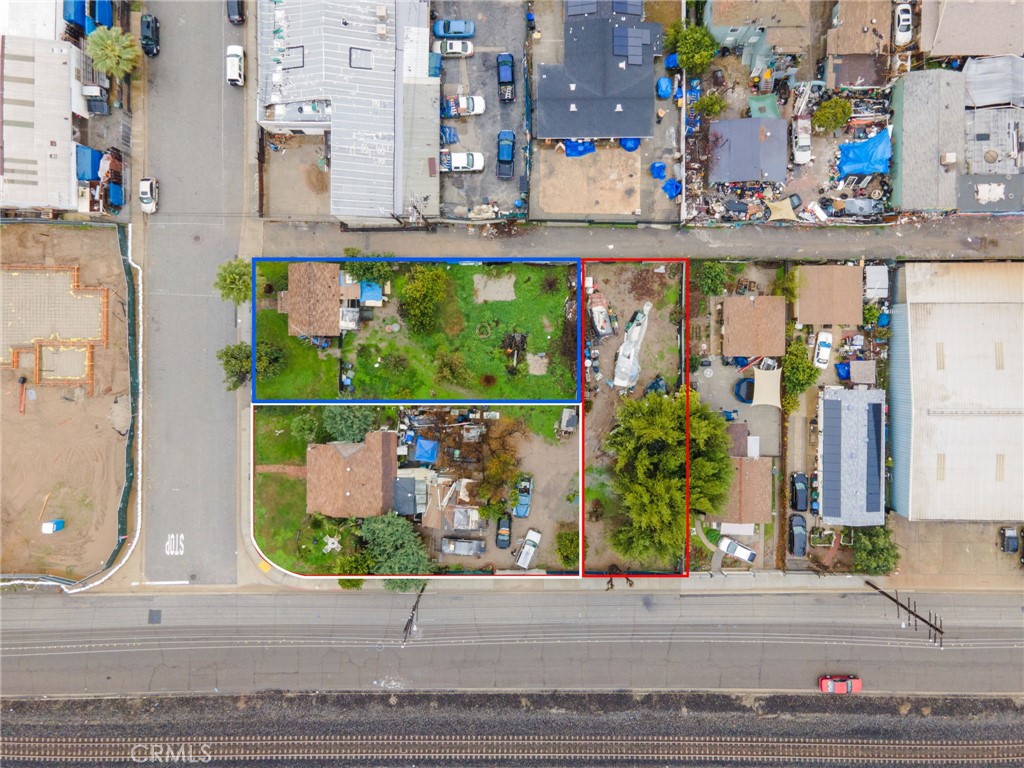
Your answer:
<point x="426" y="259"/>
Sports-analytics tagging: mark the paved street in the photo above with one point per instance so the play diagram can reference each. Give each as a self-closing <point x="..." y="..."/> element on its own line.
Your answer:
<point x="542" y="641"/>
<point x="959" y="238"/>
<point x="194" y="134"/>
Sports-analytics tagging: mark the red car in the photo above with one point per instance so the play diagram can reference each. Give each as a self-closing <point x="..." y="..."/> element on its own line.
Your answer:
<point x="839" y="684"/>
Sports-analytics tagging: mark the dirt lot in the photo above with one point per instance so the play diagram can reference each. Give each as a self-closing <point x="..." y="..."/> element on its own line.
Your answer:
<point x="556" y="477"/>
<point x="606" y="182"/>
<point x="64" y="451"/>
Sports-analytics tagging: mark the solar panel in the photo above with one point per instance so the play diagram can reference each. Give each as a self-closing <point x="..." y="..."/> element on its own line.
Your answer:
<point x="620" y="41"/>
<point x="630" y="7"/>
<point x="874" y="462"/>
<point x="580" y="7"/>
<point x="832" y="459"/>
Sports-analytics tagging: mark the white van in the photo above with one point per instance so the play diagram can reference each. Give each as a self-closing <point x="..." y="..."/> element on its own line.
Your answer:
<point x="529" y="548"/>
<point x="236" y="65"/>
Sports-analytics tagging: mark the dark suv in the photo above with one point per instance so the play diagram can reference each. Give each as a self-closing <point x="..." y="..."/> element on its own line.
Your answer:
<point x="236" y="11"/>
<point x="798" y="492"/>
<point x="149" y="37"/>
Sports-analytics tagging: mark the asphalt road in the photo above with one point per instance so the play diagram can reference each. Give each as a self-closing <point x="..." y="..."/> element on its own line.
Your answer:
<point x="239" y="643"/>
<point x="194" y="124"/>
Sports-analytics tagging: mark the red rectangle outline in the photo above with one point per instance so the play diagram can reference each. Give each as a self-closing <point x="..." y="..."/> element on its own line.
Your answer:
<point x="583" y="414"/>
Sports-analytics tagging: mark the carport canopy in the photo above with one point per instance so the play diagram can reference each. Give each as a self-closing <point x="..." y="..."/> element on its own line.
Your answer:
<point x="768" y="387"/>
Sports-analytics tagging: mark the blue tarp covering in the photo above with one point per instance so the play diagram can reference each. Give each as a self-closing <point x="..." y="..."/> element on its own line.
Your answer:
<point x="672" y="61"/>
<point x="434" y="67"/>
<point x="90" y="25"/>
<point x="579" y="148"/>
<point x="74" y="12"/>
<point x="426" y="451"/>
<point x="630" y="145"/>
<point x="449" y="135"/>
<point x="116" y="195"/>
<point x="664" y="87"/>
<point x="370" y="291"/>
<point x="658" y="170"/>
<point x="87" y="163"/>
<point x="870" y="156"/>
<point x="883" y="320"/>
<point x="672" y="188"/>
<point x="843" y="371"/>
<point x="105" y="13"/>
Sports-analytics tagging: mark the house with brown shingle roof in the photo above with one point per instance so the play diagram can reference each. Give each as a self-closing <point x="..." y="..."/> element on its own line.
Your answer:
<point x="830" y="294"/>
<point x="313" y="299"/>
<point x="753" y="326"/>
<point x="750" y="500"/>
<point x="352" y="479"/>
<point x="858" y="45"/>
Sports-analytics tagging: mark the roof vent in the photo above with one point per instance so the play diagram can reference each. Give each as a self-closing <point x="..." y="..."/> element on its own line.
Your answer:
<point x="572" y="107"/>
<point x="618" y="107"/>
<point x="947" y="158"/>
<point x="382" y="31"/>
<point x="572" y="86"/>
<point x="382" y="13"/>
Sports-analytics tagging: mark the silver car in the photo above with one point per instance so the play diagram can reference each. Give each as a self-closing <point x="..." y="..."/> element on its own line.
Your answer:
<point x="903" y="25"/>
<point x="149" y="194"/>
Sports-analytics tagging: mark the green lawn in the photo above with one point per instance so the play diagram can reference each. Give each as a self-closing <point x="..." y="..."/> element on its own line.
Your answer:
<point x="287" y="535"/>
<point x="305" y="374"/>
<point x="274" y="272"/>
<point x="274" y="448"/>
<point x="542" y="420"/>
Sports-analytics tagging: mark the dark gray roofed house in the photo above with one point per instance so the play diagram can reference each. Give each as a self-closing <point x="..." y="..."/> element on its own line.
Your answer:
<point x="851" y="465"/>
<point x="604" y="89"/>
<point x="749" y="149"/>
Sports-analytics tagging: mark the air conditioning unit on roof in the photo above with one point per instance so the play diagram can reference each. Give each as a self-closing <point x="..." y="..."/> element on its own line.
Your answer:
<point x="382" y="13"/>
<point x="382" y="31"/>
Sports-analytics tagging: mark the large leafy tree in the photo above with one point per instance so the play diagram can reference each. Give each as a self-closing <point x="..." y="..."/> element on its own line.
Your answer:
<point x="394" y="547"/>
<point x="374" y="271"/>
<point x="424" y="291"/>
<point x="649" y="445"/>
<point x="234" y="281"/>
<point x="696" y="48"/>
<point x="236" y="360"/>
<point x="832" y="115"/>
<point x="711" y="278"/>
<point x="270" y="359"/>
<point x="113" y="52"/>
<point x="798" y="374"/>
<point x="874" y="551"/>
<point x="307" y="425"/>
<point x="348" y="423"/>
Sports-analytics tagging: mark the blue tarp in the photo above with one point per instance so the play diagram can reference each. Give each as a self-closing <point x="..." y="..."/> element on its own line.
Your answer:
<point x="116" y="195"/>
<point x="87" y="163"/>
<point x="105" y="13"/>
<point x="74" y="12"/>
<point x="672" y="188"/>
<point x="843" y="371"/>
<point x="449" y="135"/>
<point x="434" y="67"/>
<point x="672" y="61"/>
<point x="658" y="170"/>
<point x="426" y="451"/>
<point x="90" y="25"/>
<point x="664" y="87"/>
<point x="870" y="156"/>
<point x="578" y="148"/>
<point x="630" y="145"/>
<point x="370" y="291"/>
<point x="883" y="320"/>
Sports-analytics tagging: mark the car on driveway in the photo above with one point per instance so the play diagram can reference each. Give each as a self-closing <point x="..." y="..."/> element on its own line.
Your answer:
<point x="149" y="34"/>
<point x="235" y="65"/>
<point x="461" y="162"/>
<point x="456" y="29"/>
<point x="504" y="536"/>
<point x="453" y="49"/>
<point x="839" y="684"/>
<point x="797" y="535"/>
<point x="524" y="491"/>
<point x="506" y="77"/>
<point x="735" y="549"/>
<point x="798" y="491"/>
<point x="149" y="194"/>
<point x="823" y="350"/>
<point x="903" y="25"/>
<point x="506" y="167"/>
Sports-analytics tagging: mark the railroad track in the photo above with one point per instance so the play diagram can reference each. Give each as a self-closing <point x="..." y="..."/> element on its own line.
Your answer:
<point x="223" y="750"/>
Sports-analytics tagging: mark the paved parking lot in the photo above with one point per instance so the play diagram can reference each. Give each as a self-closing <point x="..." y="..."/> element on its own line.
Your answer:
<point x="500" y="26"/>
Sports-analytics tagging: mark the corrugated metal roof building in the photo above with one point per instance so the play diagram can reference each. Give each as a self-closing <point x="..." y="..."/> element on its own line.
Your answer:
<point x="956" y="378"/>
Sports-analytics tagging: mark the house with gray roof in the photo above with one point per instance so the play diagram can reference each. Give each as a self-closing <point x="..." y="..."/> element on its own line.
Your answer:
<point x="929" y="143"/>
<point x="604" y="86"/>
<point x="748" y="149"/>
<point x="358" y="74"/>
<point x="851" y="456"/>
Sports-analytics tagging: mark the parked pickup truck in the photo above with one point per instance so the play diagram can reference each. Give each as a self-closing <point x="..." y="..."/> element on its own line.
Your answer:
<point x="506" y="167"/>
<point x="462" y="106"/>
<point x="506" y="77"/>
<point x="460" y="162"/>
<point x="463" y="547"/>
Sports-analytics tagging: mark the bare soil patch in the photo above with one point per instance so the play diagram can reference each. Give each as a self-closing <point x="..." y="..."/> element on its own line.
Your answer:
<point x="494" y="288"/>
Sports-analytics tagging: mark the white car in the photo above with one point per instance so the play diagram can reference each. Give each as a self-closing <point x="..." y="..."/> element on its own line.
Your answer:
<point x="149" y="194"/>
<point x="236" y="65"/>
<point x="823" y="350"/>
<point x="801" y="131"/>
<point x="903" y="25"/>
<point x="737" y="550"/>
<point x="471" y="105"/>
<point x="453" y="48"/>
<point x="461" y="162"/>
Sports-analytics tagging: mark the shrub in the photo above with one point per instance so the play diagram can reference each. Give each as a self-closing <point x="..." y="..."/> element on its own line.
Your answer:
<point x="871" y="314"/>
<point x="711" y="278"/>
<point x="567" y="547"/>
<point x="832" y="115"/>
<point x="696" y="48"/>
<point x="424" y="291"/>
<point x="710" y="105"/>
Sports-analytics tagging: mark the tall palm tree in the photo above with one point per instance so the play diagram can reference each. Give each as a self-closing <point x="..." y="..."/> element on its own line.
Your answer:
<point x="113" y="52"/>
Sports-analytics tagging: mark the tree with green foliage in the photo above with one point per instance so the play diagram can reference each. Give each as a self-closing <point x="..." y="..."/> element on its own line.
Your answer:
<point x="236" y="360"/>
<point x="348" y="423"/>
<point x="832" y="115"/>
<point x="787" y="284"/>
<point x="424" y="291"/>
<point x="404" y="585"/>
<point x="710" y="105"/>
<point x="307" y="426"/>
<point x="234" y="281"/>
<point x="374" y="271"/>
<point x="874" y="551"/>
<point x="697" y="49"/>
<point x="113" y="51"/>
<point x="670" y="37"/>
<point x="871" y="314"/>
<point x="798" y="374"/>
<point x="450" y="367"/>
<point x="567" y="547"/>
<point x="649" y="445"/>
<point x="270" y="359"/>
<point x="711" y="278"/>
<point x="394" y="547"/>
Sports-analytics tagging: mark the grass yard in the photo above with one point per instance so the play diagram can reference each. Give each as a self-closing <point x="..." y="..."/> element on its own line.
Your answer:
<point x="542" y="420"/>
<point x="305" y="374"/>
<point x="275" y="443"/>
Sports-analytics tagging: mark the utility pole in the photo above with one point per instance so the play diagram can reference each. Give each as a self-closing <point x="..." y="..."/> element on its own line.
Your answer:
<point x="933" y="622"/>
<point x="410" y="625"/>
